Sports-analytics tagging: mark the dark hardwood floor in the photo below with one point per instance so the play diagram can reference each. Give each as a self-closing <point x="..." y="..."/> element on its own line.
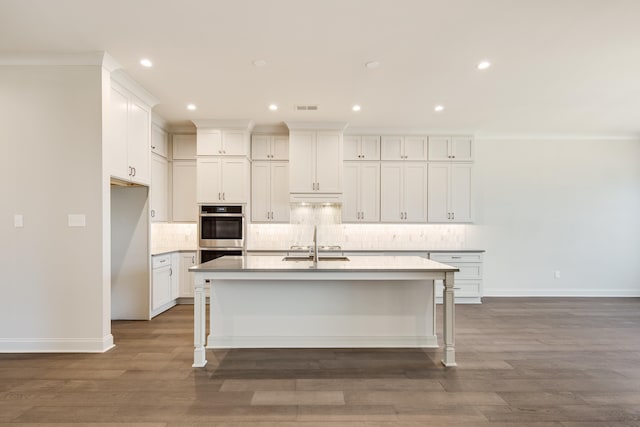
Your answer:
<point x="522" y="361"/>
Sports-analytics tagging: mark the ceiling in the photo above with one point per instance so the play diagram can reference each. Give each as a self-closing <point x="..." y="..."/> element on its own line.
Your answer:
<point x="559" y="67"/>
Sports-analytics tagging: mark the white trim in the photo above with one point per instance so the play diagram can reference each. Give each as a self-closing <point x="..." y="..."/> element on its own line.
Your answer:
<point x="425" y="341"/>
<point x="339" y="126"/>
<point x="124" y="80"/>
<point x="279" y="129"/>
<point x="376" y="131"/>
<point x="565" y="137"/>
<point x="183" y="129"/>
<point x="86" y="58"/>
<point x="56" y="345"/>
<point x="160" y="122"/>
<point x="240" y="124"/>
<point x="510" y="292"/>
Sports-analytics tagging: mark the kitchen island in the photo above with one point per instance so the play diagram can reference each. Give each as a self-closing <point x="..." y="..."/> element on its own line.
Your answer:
<point x="362" y="301"/>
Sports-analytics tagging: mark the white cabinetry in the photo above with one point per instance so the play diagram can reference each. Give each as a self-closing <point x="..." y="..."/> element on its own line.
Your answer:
<point x="361" y="147"/>
<point x="315" y="162"/>
<point x="159" y="189"/>
<point x="162" y="284"/>
<point x="159" y="141"/>
<point x="455" y="148"/>
<point x="187" y="260"/>
<point x="449" y="192"/>
<point x="270" y="191"/>
<point x="468" y="281"/>
<point x="404" y="147"/>
<point x="221" y="179"/>
<point x="129" y="129"/>
<point x="184" y="147"/>
<point x="361" y="197"/>
<point x="217" y="142"/>
<point x="403" y="189"/>
<point x="269" y="147"/>
<point x="184" y="203"/>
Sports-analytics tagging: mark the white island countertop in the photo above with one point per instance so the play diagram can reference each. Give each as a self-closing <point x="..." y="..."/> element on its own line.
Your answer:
<point x="355" y="263"/>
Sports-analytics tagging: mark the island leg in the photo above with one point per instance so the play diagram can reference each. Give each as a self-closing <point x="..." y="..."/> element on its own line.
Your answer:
<point x="199" y="323"/>
<point x="448" y="324"/>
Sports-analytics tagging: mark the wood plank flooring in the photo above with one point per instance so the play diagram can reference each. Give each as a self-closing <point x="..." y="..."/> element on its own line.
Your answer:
<point x="572" y="362"/>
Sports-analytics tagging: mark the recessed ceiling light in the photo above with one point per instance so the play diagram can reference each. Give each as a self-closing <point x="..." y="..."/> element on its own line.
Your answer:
<point x="191" y="107"/>
<point x="372" y="64"/>
<point x="146" y="62"/>
<point x="356" y="108"/>
<point x="484" y="65"/>
<point x="273" y="107"/>
<point x="439" y="108"/>
<point x="259" y="63"/>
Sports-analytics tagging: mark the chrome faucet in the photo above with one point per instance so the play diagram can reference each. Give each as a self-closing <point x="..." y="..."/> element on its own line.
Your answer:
<point x="315" y="244"/>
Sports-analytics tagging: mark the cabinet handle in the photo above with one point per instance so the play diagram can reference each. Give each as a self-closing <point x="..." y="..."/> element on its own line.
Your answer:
<point x="130" y="171"/>
<point x="448" y="215"/>
<point x="219" y="151"/>
<point x="219" y="197"/>
<point x="162" y="261"/>
<point x="453" y="215"/>
<point x="193" y="259"/>
<point x="318" y="186"/>
<point x="153" y="213"/>
<point x="170" y="271"/>
<point x="153" y="147"/>
<point x="456" y="257"/>
<point x="134" y="171"/>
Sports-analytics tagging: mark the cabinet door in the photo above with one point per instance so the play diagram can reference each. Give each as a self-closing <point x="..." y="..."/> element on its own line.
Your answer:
<point x="117" y="142"/>
<point x="159" y="189"/>
<point x="460" y="192"/>
<point x="461" y="148"/>
<point x="234" y="143"/>
<point x="184" y="147"/>
<point x="280" y="209"/>
<point x="302" y="158"/>
<point x="329" y="162"/>
<point x="369" y="189"/>
<point x="138" y="141"/>
<point x="391" y="185"/>
<point x="234" y="180"/>
<point x="260" y="145"/>
<point x="159" y="141"/>
<point x="392" y="147"/>
<point x="187" y="259"/>
<point x="438" y="192"/>
<point x="370" y="148"/>
<point x="350" y="205"/>
<point x="185" y="202"/>
<point x="161" y="287"/>
<point x="175" y="275"/>
<point x="439" y="148"/>
<point x="209" y="142"/>
<point x="260" y="191"/>
<point x="415" y="148"/>
<point x="351" y="148"/>
<point x="415" y="192"/>
<point x="208" y="183"/>
<point x="280" y="147"/>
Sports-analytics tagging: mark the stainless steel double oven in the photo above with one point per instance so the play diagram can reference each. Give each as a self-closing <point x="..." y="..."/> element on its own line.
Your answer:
<point x="221" y="231"/>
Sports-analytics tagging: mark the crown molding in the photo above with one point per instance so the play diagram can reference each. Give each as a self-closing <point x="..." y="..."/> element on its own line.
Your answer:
<point x="58" y="59"/>
<point x="279" y="129"/>
<point x="339" y="126"/>
<point x="556" y="137"/>
<point x="405" y="131"/>
<point x="123" y="79"/>
<point x="239" y="124"/>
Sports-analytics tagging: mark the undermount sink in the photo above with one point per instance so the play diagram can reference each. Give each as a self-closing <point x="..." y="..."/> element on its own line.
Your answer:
<point x="320" y="258"/>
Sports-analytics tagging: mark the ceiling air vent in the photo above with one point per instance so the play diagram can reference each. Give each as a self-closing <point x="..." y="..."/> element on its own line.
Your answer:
<point x="306" y="107"/>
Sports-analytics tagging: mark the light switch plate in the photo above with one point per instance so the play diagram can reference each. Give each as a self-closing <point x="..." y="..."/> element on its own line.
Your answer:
<point x="77" y="220"/>
<point x="18" y="221"/>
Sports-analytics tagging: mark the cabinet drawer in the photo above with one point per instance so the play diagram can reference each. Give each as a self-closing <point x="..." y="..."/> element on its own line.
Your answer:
<point x="450" y="257"/>
<point x="161" y="260"/>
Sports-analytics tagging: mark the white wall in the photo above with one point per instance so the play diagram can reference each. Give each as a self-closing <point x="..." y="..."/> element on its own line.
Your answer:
<point x="52" y="275"/>
<point x="571" y="206"/>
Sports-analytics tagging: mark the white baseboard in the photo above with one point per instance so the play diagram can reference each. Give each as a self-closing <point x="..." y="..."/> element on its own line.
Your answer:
<point x="514" y="292"/>
<point x="56" y="345"/>
<point x="321" y="342"/>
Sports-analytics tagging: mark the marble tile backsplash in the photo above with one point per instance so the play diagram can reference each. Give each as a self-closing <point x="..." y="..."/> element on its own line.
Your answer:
<point x="173" y="236"/>
<point x="358" y="236"/>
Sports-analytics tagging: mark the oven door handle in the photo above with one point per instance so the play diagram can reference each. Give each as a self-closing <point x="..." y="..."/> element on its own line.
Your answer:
<point x="222" y="215"/>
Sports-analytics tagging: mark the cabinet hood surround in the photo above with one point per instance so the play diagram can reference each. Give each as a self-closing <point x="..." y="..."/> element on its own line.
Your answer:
<point x="315" y="162"/>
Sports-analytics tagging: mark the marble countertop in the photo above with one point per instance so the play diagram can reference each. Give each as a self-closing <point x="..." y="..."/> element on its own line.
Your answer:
<point x="360" y="263"/>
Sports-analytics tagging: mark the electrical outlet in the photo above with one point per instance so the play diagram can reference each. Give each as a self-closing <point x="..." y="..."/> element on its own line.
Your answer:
<point x="18" y="221"/>
<point x="557" y="274"/>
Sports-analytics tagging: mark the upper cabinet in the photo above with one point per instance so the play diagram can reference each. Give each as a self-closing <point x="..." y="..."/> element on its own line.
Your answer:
<point x="403" y="192"/>
<point x="218" y="142"/>
<point x="222" y="180"/>
<point x="128" y="135"/>
<point x="159" y="141"/>
<point x="184" y="147"/>
<point x="269" y="147"/>
<point x="315" y="161"/>
<point x="404" y="147"/>
<point x="361" y="147"/>
<point x="449" y="192"/>
<point x="159" y="189"/>
<point x="451" y="148"/>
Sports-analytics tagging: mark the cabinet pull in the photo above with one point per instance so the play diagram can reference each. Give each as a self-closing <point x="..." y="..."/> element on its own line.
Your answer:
<point x="448" y="215"/>
<point x="170" y="271"/>
<point x="153" y="147"/>
<point x="134" y="171"/>
<point x="223" y="198"/>
<point x="453" y="215"/>
<point x="456" y="257"/>
<point x="153" y="213"/>
<point x="361" y="215"/>
<point x="219" y="151"/>
<point x="129" y="170"/>
<point x="219" y="198"/>
<point x="193" y="259"/>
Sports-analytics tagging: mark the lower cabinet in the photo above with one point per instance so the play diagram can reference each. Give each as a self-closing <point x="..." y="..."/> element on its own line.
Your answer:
<point x="468" y="281"/>
<point x="162" y="284"/>
<point x="187" y="259"/>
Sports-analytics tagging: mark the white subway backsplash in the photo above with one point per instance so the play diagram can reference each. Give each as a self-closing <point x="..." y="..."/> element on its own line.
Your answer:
<point x="174" y="236"/>
<point x="358" y="236"/>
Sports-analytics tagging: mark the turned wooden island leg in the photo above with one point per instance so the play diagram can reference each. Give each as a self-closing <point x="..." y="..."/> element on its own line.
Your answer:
<point x="199" y="323"/>
<point x="449" y="318"/>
